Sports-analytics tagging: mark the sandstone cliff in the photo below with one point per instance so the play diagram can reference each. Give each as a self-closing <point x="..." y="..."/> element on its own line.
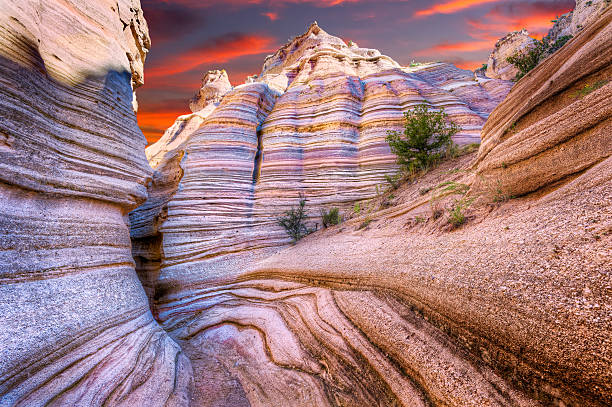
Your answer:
<point x="313" y="122"/>
<point x="392" y="307"/>
<point x="76" y="326"/>
<point x="497" y="65"/>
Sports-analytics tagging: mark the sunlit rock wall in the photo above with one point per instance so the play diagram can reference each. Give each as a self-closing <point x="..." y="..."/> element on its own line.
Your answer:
<point x="313" y="122"/>
<point x="76" y="325"/>
<point x="564" y="127"/>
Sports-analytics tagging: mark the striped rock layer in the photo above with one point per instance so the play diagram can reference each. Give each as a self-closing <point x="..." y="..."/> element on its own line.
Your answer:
<point x="76" y="325"/>
<point x="313" y="122"/>
<point x="511" y="309"/>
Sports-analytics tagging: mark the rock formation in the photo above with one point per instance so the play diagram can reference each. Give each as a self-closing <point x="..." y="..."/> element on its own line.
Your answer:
<point x="497" y="65"/>
<point x="584" y="14"/>
<point x="565" y="26"/>
<point x="513" y="308"/>
<point x="313" y="122"/>
<point x="76" y="325"/>
<point x="564" y="127"/>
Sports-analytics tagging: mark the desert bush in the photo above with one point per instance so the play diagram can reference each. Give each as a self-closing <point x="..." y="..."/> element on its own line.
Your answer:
<point x="590" y="88"/>
<point x="427" y="134"/>
<point x="365" y="223"/>
<point x="456" y="214"/>
<point x="331" y="217"/>
<point x="393" y="181"/>
<point x="293" y="221"/>
<point x="527" y="59"/>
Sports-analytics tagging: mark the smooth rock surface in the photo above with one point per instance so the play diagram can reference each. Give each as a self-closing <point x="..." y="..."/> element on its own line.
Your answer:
<point x="76" y="325"/>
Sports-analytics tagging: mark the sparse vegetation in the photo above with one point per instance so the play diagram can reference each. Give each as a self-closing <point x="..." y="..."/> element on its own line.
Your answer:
<point x="423" y="191"/>
<point x="419" y="219"/>
<point x="498" y="193"/>
<point x="436" y="209"/>
<point x="427" y="135"/>
<point x="365" y="223"/>
<point x="453" y="187"/>
<point x="293" y="221"/>
<point x="331" y="217"/>
<point x="527" y="59"/>
<point x="559" y="43"/>
<point x="357" y="208"/>
<point x="590" y="88"/>
<point x="393" y="180"/>
<point x="457" y="212"/>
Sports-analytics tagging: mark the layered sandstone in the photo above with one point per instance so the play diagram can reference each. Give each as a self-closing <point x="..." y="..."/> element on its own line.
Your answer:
<point x="76" y="325"/>
<point x="564" y="127"/>
<point x="313" y="122"/>
<point x="392" y="307"/>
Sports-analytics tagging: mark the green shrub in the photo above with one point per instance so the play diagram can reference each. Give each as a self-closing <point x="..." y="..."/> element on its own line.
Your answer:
<point x="427" y="134"/>
<point x="393" y="180"/>
<point x="590" y="88"/>
<point x="559" y="43"/>
<point x="365" y="223"/>
<point x="527" y="59"/>
<point x="293" y="221"/>
<point x="331" y="217"/>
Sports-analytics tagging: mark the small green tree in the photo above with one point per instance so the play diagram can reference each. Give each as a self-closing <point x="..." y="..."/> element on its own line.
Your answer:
<point x="427" y="134"/>
<point x="293" y="221"/>
<point x="331" y="217"/>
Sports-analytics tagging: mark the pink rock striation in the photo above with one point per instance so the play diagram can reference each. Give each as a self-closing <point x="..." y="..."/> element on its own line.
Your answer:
<point x="313" y="122"/>
<point x="76" y="325"/>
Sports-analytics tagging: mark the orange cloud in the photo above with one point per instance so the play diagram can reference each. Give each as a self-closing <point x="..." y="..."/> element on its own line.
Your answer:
<point x="446" y="48"/>
<point x="217" y="50"/>
<point x="208" y="3"/>
<point x="271" y="15"/>
<point x="451" y="7"/>
<point x="469" y="65"/>
<point x="534" y="16"/>
<point x="153" y="124"/>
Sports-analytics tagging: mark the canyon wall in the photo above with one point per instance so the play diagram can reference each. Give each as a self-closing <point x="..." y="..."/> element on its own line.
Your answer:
<point x="313" y="122"/>
<point x="76" y="325"/>
<point x="392" y="307"/>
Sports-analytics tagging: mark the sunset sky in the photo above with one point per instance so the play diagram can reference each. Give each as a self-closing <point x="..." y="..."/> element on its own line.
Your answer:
<point x="190" y="37"/>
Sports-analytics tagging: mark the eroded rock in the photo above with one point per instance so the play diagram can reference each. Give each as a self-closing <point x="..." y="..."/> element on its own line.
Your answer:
<point x="497" y="65"/>
<point x="76" y="325"/>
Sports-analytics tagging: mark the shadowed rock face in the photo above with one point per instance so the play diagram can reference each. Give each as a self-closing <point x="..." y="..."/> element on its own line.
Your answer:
<point x="76" y="327"/>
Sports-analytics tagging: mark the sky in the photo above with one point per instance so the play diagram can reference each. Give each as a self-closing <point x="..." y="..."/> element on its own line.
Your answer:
<point x="191" y="37"/>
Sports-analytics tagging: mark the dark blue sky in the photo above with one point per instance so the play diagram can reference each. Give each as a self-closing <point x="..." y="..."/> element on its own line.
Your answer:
<point x="190" y="37"/>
